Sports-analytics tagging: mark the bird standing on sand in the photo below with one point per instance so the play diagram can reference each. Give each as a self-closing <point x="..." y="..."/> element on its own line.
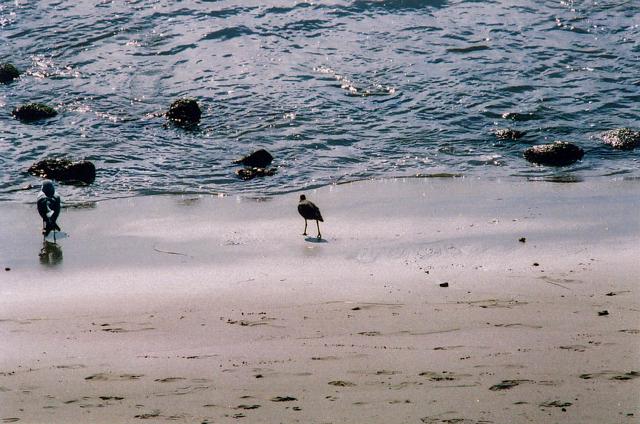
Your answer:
<point x="308" y="210"/>
<point x="48" y="207"/>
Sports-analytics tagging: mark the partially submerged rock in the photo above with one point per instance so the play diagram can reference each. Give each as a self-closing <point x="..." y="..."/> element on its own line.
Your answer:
<point x="258" y="159"/>
<point x="65" y="171"/>
<point x="184" y="113"/>
<point x="250" y="173"/>
<point x="559" y="153"/>
<point x="622" y="138"/>
<point x="33" y="112"/>
<point x="508" y="134"/>
<point x="8" y="73"/>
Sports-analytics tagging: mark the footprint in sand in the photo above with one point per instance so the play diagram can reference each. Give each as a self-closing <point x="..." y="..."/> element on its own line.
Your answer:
<point x="341" y="383"/>
<point x="435" y="420"/>
<point x="183" y="391"/>
<point x="378" y="373"/>
<point x="154" y="414"/>
<point x="283" y="399"/>
<point x="612" y="375"/>
<point x="555" y="404"/>
<point x="370" y="333"/>
<point x="168" y="379"/>
<point x="493" y="303"/>
<point x="387" y="372"/>
<point x="518" y="325"/>
<point x="248" y="406"/>
<point x="115" y="327"/>
<point x="507" y="384"/>
<point x="435" y="376"/>
<point x="113" y="377"/>
<point x="448" y="347"/>
<point x="105" y="398"/>
<point x="575" y="348"/>
<point x="10" y="420"/>
<point x="71" y="366"/>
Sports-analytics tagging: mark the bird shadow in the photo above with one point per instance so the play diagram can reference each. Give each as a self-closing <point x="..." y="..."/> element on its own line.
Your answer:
<point x="315" y="240"/>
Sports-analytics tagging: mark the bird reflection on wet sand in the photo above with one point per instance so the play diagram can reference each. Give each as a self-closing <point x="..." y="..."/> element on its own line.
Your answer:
<point x="50" y="254"/>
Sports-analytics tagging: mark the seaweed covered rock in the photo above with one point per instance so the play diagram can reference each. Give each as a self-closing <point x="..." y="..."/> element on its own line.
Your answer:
<point x="33" y="112"/>
<point x="250" y="173"/>
<point x="65" y="170"/>
<point x="184" y="113"/>
<point x="258" y="159"/>
<point x="508" y="134"/>
<point x="8" y="73"/>
<point x="622" y="138"/>
<point x="559" y="153"/>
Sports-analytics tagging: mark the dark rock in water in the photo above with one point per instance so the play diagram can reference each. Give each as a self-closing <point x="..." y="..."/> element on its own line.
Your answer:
<point x="559" y="153"/>
<point x="184" y="113"/>
<point x="33" y="112"/>
<point x="508" y="134"/>
<point x="250" y="173"/>
<point x="258" y="159"/>
<point x="622" y="138"/>
<point x="65" y="171"/>
<point x="8" y="73"/>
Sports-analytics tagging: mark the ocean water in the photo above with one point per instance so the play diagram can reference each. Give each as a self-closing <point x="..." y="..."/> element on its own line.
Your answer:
<point x="336" y="90"/>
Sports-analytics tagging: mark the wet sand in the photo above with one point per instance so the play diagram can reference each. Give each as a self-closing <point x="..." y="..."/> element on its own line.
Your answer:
<point x="421" y="305"/>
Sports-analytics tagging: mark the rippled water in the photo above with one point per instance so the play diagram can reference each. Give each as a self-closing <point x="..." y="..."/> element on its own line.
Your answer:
<point x="336" y="90"/>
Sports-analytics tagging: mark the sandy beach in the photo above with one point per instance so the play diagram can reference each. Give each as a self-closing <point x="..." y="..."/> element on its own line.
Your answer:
<point x="435" y="300"/>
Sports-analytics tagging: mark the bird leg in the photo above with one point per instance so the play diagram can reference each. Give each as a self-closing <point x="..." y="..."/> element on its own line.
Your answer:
<point x="304" y="233"/>
<point x="319" y="235"/>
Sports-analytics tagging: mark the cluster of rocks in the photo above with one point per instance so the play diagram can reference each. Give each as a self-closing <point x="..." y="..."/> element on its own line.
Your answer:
<point x="186" y="113"/>
<point x="562" y="153"/>
<point x="183" y="113"/>
<point x="255" y="165"/>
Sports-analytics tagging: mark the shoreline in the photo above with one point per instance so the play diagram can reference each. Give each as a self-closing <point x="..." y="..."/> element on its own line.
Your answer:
<point x="570" y="178"/>
<point x="215" y="309"/>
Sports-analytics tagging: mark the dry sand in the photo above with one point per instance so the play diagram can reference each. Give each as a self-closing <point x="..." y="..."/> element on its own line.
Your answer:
<point x="204" y="309"/>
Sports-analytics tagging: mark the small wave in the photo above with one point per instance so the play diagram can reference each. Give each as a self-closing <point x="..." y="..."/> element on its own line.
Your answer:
<point x="228" y="33"/>
<point x="470" y="49"/>
<point x="354" y="89"/>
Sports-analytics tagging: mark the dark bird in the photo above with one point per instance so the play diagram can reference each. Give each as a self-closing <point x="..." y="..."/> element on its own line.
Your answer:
<point x="48" y="207"/>
<point x="308" y="210"/>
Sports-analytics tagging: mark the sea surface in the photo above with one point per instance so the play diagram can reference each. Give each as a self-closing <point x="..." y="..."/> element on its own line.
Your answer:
<point x="336" y="90"/>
